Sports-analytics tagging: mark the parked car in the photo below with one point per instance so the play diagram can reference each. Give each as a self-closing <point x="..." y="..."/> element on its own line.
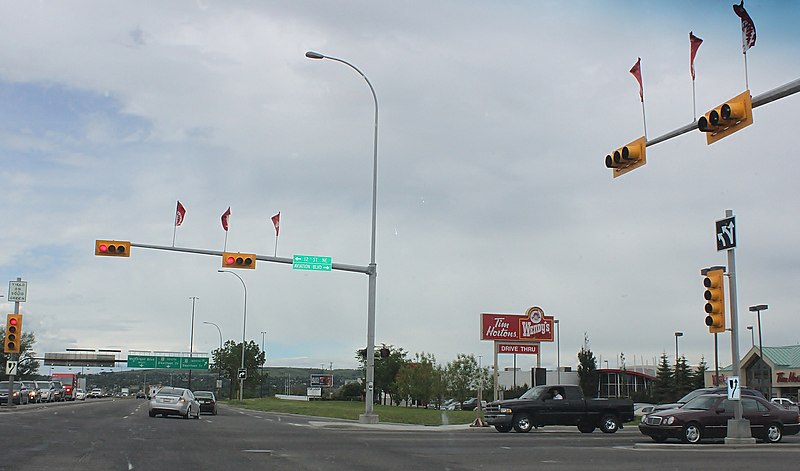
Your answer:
<point x="707" y="416"/>
<point x="699" y="392"/>
<point x="642" y="408"/>
<point x="207" y="400"/>
<point x="471" y="404"/>
<point x="785" y="402"/>
<point x="80" y="395"/>
<point x="174" y="401"/>
<point x="449" y="404"/>
<point x="19" y="394"/>
<point x="34" y="395"/>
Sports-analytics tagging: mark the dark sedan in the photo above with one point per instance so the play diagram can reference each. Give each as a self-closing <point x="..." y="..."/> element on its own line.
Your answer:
<point x="707" y="416"/>
<point x="207" y="400"/>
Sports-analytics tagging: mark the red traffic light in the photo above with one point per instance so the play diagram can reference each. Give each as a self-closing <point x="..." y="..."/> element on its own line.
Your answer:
<point x="112" y="248"/>
<point x="12" y="321"/>
<point x="238" y="260"/>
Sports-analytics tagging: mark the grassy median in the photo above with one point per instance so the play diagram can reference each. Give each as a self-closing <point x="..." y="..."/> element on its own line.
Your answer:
<point x="351" y="411"/>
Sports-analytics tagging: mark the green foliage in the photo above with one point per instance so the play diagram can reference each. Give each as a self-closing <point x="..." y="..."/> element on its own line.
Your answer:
<point x="588" y="377"/>
<point x="28" y="366"/>
<point x="699" y="375"/>
<point x="415" y="380"/>
<point x="682" y="379"/>
<point x="663" y="390"/>
<point x="229" y="359"/>
<point x="352" y="391"/>
<point x="462" y="377"/>
<point x="386" y="370"/>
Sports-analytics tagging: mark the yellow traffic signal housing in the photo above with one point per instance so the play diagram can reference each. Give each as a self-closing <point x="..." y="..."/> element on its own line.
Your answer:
<point x="11" y="344"/>
<point x="112" y="248"/>
<point x="727" y="118"/>
<point x="627" y="158"/>
<point x="715" y="300"/>
<point x="238" y="260"/>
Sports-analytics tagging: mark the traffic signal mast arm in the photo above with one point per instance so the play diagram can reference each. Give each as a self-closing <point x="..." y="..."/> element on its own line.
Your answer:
<point x="263" y="258"/>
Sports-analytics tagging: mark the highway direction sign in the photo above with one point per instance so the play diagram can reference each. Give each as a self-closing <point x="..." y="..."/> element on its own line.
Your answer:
<point x="311" y="262"/>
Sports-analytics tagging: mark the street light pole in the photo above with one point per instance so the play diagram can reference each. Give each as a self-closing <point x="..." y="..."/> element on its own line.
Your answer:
<point x="752" y="339"/>
<point x="677" y="334"/>
<point x="558" y="351"/>
<point x="191" y="338"/>
<point x="757" y="309"/>
<point x="244" y="327"/>
<point x="263" y="333"/>
<point x="219" y="366"/>
<point x="369" y="416"/>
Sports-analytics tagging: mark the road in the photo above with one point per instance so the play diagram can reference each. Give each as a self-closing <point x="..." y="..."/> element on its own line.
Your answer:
<point x="117" y="434"/>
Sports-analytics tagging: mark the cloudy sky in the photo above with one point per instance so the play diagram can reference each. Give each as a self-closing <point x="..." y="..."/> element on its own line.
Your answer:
<point x="494" y="121"/>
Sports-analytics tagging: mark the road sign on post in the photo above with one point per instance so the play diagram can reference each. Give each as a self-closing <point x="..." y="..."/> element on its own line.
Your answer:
<point x="726" y="233"/>
<point x="242" y="373"/>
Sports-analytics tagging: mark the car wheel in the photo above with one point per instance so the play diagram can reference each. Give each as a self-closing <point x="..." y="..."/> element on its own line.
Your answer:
<point x="523" y="423"/>
<point x="773" y="433"/>
<point x="692" y="433"/>
<point x="214" y="412"/>
<point x="151" y="414"/>
<point x="186" y="415"/>
<point x="503" y="428"/>
<point x="609" y="423"/>
<point x="586" y="427"/>
<point x="659" y="438"/>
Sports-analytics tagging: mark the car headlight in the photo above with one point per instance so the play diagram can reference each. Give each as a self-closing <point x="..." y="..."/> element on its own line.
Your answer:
<point x="670" y="420"/>
<point x="506" y="410"/>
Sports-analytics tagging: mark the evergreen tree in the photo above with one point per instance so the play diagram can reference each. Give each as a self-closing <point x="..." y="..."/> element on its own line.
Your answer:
<point x="699" y="375"/>
<point x="588" y="378"/>
<point x="662" y="386"/>
<point x="682" y="379"/>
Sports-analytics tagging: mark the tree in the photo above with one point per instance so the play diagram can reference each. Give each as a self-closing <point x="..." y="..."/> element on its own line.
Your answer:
<point x="682" y="379"/>
<point x="386" y="370"/>
<point x="229" y="360"/>
<point x="28" y="365"/>
<point x="663" y="384"/>
<point x="699" y="375"/>
<point x="588" y="378"/>
<point x="415" y="380"/>
<point x="462" y="377"/>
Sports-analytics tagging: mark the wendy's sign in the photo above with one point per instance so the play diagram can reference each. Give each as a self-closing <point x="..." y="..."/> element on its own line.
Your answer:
<point x="533" y="325"/>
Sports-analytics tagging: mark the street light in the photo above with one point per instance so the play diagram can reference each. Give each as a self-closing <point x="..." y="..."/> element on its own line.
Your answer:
<point x="191" y="338"/>
<point x="558" y="350"/>
<point x="757" y="309"/>
<point x="369" y="416"/>
<point x="752" y="339"/>
<point x="219" y="366"/>
<point x="244" y="327"/>
<point x="677" y="334"/>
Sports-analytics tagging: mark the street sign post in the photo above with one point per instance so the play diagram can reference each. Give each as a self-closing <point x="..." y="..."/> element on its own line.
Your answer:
<point x="311" y="262"/>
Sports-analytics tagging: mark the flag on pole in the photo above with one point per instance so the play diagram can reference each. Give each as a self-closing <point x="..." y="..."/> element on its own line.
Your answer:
<point x="694" y="44"/>
<point x="748" y="27"/>
<point x="225" y="216"/>
<point x="180" y="213"/>
<point x="636" y="70"/>
<point x="276" y="221"/>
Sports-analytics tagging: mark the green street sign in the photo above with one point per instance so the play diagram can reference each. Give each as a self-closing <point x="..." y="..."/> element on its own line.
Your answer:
<point x="194" y="363"/>
<point x="311" y="262"/>
<point x="168" y="362"/>
<point x="140" y="361"/>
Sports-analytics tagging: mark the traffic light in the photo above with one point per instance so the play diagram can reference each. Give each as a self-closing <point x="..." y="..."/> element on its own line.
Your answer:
<point x="238" y="260"/>
<point x="112" y="248"/>
<point x="627" y="158"/>
<point x="13" y="333"/>
<point x="727" y="118"/>
<point x="385" y="352"/>
<point x="715" y="300"/>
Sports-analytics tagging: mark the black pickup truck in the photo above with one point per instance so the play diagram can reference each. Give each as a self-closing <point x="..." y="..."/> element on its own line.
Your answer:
<point x="541" y="406"/>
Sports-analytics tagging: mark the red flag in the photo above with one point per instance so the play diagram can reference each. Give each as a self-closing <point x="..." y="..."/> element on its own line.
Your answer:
<point x="225" y="216"/>
<point x="748" y="27"/>
<point x="636" y="70"/>
<point x="180" y="213"/>
<point x="694" y="45"/>
<point x="276" y="221"/>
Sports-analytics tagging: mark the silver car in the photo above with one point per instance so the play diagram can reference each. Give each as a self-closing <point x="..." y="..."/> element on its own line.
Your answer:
<point x="174" y="401"/>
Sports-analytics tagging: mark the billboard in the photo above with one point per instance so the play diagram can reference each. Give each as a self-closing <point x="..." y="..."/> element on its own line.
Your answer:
<point x="532" y="326"/>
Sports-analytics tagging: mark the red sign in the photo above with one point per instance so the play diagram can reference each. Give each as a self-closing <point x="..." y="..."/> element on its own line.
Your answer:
<point x="533" y="325"/>
<point x="518" y="348"/>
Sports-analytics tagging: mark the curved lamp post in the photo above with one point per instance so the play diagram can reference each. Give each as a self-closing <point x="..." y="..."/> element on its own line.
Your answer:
<point x="369" y="416"/>
<point x="244" y="327"/>
<point x="219" y="372"/>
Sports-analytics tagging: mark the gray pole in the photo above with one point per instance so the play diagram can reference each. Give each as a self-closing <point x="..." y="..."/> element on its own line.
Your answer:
<point x="263" y="333"/>
<point x="738" y="428"/>
<point x="758" y="308"/>
<point x="219" y="367"/>
<point x="244" y="328"/>
<point x="11" y="356"/>
<point x="191" y="338"/>
<point x="558" y="351"/>
<point x="369" y="415"/>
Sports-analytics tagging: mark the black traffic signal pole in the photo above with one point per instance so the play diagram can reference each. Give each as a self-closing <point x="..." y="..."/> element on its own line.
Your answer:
<point x="264" y="258"/>
<point x="768" y="97"/>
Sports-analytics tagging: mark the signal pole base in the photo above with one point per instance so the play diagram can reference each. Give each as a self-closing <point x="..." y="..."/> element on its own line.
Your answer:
<point x="368" y="419"/>
<point x="739" y="432"/>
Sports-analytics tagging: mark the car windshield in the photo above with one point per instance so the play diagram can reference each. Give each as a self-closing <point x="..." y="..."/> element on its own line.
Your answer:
<point x="692" y="395"/>
<point x="701" y="403"/>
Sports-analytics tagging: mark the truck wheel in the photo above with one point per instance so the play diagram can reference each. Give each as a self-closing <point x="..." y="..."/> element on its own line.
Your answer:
<point x="523" y="423"/>
<point x="586" y="427"/>
<point x="609" y="423"/>
<point x="503" y="428"/>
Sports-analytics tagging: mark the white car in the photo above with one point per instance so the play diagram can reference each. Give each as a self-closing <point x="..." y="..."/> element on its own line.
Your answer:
<point x="96" y="393"/>
<point x="80" y="395"/>
<point x="785" y="402"/>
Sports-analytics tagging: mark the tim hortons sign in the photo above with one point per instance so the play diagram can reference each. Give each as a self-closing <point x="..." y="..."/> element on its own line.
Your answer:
<point x="533" y="326"/>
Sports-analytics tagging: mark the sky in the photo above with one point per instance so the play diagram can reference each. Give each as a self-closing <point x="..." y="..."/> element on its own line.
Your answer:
<point x="495" y="118"/>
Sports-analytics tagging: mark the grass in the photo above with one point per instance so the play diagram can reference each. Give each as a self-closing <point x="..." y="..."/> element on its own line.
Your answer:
<point x="351" y="411"/>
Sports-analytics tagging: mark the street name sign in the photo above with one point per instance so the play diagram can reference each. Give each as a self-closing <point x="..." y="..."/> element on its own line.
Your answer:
<point x="311" y="262"/>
